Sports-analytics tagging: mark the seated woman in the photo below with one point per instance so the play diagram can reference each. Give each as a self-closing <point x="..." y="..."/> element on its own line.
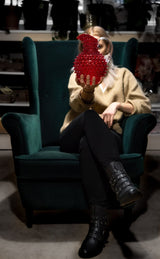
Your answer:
<point x="92" y="128"/>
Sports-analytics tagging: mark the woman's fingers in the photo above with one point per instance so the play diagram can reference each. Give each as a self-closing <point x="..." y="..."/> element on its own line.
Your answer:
<point x="77" y="81"/>
<point x="100" y="81"/>
<point x="109" y="113"/>
<point x="93" y="80"/>
<point x="88" y="82"/>
<point x="108" y="119"/>
<point x="89" y="87"/>
<point x="82" y="79"/>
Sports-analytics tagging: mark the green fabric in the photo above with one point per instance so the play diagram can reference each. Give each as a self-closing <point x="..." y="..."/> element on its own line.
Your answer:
<point x="130" y="53"/>
<point x="51" y="179"/>
<point x="32" y="73"/>
<point x="125" y="54"/>
<point x="48" y="164"/>
<point x="61" y="165"/>
<point x="134" y="164"/>
<point x="52" y="195"/>
<point x="55" y="62"/>
<point x="135" y="132"/>
<point x="25" y="132"/>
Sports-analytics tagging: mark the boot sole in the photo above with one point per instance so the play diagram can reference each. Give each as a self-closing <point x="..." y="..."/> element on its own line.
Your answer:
<point x="132" y="201"/>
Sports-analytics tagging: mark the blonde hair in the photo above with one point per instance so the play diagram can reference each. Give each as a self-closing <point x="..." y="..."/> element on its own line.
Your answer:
<point x="99" y="32"/>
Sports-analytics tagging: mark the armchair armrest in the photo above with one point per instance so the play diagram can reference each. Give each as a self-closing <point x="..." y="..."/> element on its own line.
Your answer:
<point x="25" y="132"/>
<point x="135" y="131"/>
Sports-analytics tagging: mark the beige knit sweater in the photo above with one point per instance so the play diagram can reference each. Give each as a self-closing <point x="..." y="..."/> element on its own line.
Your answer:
<point x="124" y="89"/>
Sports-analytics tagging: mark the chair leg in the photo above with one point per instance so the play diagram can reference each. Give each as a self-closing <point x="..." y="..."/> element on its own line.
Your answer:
<point x="29" y="217"/>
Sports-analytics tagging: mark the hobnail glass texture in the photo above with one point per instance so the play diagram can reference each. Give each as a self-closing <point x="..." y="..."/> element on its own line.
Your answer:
<point x="90" y="61"/>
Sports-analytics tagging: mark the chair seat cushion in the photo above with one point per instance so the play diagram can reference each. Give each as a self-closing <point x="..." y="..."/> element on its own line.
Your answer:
<point x="49" y="163"/>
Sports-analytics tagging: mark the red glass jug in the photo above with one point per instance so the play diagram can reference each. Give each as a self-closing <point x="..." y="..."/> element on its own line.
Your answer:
<point x="90" y="61"/>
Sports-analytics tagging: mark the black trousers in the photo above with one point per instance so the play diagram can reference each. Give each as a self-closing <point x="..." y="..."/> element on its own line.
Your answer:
<point x="88" y="135"/>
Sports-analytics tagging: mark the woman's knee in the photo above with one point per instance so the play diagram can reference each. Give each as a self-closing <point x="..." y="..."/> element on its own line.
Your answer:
<point x="90" y="115"/>
<point x="92" y="119"/>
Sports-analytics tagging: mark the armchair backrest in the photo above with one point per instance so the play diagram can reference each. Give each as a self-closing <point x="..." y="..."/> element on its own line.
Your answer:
<point x="47" y="67"/>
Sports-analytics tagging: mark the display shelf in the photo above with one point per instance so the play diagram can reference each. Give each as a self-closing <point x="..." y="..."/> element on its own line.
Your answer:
<point x="155" y="107"/>
<point x="14" y="80"/>
<point x="14" y="108"/>
<point x="17" y="35"/>
<point x="13" y="89"/>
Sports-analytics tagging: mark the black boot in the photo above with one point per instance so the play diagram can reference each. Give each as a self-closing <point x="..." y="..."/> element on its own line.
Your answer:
<point x="97" y="235"/>
<point x="127" y="193"/>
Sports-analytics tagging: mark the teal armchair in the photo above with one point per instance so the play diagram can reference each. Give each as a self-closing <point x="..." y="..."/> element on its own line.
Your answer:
<point x="48" y="179"/>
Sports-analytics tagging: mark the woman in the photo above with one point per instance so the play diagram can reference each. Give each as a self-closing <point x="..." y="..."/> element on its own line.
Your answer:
<point x="92" y="128"/>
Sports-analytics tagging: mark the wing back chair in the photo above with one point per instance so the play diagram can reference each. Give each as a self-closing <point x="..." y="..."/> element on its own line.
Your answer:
<point x="48" y="179"/>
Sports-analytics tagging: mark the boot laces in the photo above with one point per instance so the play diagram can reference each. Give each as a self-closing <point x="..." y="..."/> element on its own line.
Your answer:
<point x="98" y="228"/>
<point x="120" y="182"/>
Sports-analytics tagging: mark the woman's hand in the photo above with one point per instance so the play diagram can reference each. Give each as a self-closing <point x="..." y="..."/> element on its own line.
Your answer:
<point x="87" y="92"/>
<point x="110" y="111"/>
<point x="108" y="114"/>
<point x="86" y="84"/>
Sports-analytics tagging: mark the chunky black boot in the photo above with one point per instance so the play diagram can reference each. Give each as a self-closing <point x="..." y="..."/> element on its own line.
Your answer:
<point x="97" y="235"/>
<point x="127" y="193"/>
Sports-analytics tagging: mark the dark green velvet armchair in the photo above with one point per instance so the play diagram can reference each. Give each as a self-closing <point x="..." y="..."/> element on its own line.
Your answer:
<point x="48" y="179"/>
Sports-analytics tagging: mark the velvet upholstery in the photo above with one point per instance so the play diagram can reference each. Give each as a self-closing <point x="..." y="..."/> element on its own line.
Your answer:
<point x="46" y="177"/>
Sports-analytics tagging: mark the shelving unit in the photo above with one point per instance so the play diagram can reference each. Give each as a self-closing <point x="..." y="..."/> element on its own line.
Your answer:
<point x="154" y="136"/>
<point x="17" y="35"/>
<point x="14" y="78"/>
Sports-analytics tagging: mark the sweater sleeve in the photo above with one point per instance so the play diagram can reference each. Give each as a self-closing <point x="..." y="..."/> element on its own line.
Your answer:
<point x="135" y="95"/>
<point x="75" y="101"/>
